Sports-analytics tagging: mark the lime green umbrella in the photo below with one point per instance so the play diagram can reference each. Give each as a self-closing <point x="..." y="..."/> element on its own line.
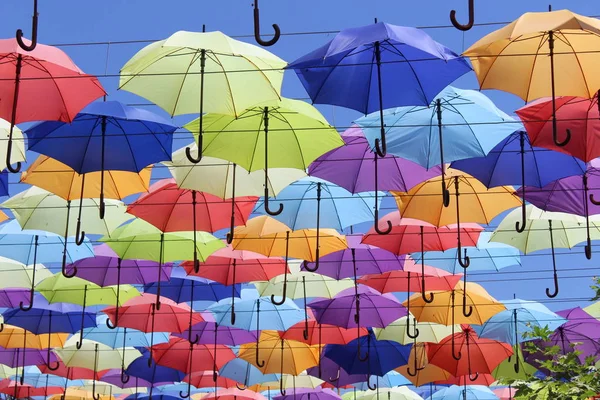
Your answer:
<point x="593" y="309"/>
<point x="96" y="356"/>
<point x="176" y="72"/>
<point x="60" y="289"/>
<point x="507" y="368"/>
<point x="303" y="284"/>
<point x="140" y="240"/>
<point x="284" y="134"/>
<point x="428" y="331"/>
<point x="545" y="230"/>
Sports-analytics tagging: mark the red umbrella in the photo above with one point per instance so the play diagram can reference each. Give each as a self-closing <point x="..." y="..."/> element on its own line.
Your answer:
<point x="41" y="83"/>
<point x="171" y="209"/>
<point x="321" y="334"/>
<point x="72" y="372"/>
<point x="474" y="354"/>
<point x="183" y="356"/>
<point x="577" y="118"/>
<point x="26" y="391"/>
<point x="409" y="281"/>
<point x="204" y="379"/>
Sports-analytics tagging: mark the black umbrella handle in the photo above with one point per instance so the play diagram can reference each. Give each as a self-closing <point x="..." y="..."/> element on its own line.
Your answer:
<point x="34" y="31"/>
<point x="14" y="116"/>
<point x="467" y="311"/>
<point x="188" y="150"/>
<point x="80" y="341"/>
<point x="520" y="225"/>
<point x="64" y="258"/>
<point x="376" y="212"/>
<point x="22" y="306"/>
<point x="79" y="234"/>
<point x="554" y="121"/>
<point x="415" y="329"/>
<point x="456" y="356"/>
<point x="463" y="261"/>
<point x="232" y="221"/>
<point x="555" y="292"/>
<point x="284" y="294"/>
<point x="426" y="299"/>
<point x="108" y="322"/>
<point x="380" y="144"/>
<point x="233" y="293"/>
<point x="257" y="37"/>
<point x="258" y="362"/>
<point x="266" y="199"/>
<point x="468" y="25"/>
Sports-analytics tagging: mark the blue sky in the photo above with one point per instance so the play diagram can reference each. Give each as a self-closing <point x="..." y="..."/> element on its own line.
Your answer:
<point x="76" y="21"/>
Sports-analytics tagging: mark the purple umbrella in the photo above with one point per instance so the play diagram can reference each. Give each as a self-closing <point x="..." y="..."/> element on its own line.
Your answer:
<point x="11" y="298"/>
<point x="310" y="394"/>
<point x="361" y="308"/>
<point x="366" y="258"/>
<point x="572" y="195"/>
<point x="24" y="357"/>
<point x="226" y="335"/>
<point x="113" y="377"/>
<point x="335" y="375"/>
<point x="107" y="269"/>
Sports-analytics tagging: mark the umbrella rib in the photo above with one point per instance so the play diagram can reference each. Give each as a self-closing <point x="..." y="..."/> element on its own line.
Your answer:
<point x="580" y="68"/>
<point x="331" y="69"/>
<point x="482" y="82"/>
<point x="542" y="40"/>
<point x="412" y="70"/>
<point x="218" y="62"/>
<point x="57" y="89"/>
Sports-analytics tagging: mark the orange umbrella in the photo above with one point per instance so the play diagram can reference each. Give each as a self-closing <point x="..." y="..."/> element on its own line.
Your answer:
<point x="419" y="371"/>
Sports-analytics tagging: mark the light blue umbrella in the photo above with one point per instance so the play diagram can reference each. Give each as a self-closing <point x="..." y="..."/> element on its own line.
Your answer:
<point x="245" y="373"/>
<point x="34" y="377"/>
<point x="520" y="317"/>
<point x="487" y="256"/>
<point x="389" y="380"/>
<point x="257" y="314"/>
<point x="473" y="392"/>
<point x="121" y="337"/>
<point x="458" y="124"/>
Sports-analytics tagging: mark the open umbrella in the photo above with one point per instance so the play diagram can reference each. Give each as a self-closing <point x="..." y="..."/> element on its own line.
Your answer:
<point x="36" y="208"/>
<point x="354" y="67"/>
<point x="307" y="394"/>
<point x="301" y="135"/>
<point x="418" y="370"/>
<point x="457" y="124"/>
<point x="60" y="179"/>
<point x="245" y="373"/>
<point x="175" y="73"/>
<point x="171" y="209"/>
<point x="32" y="72"/>
<point x="138" y="369"/>
<point x="472" y="392"/>
<point x="545" y="44"/>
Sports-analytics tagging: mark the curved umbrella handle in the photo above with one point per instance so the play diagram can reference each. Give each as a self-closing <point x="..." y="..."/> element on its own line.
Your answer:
<point x="79" y="235"/>
<point x="266" y="205"/>
<point x="516" y="365"/>
<point x="281" y="389"/>
<point x="456" y="356"/>
<point x="426" y="299"/>
<point x="52" y="367"/>
<point x="124" y="377"/>
<point x="8" y="157"/>
<point x="366" y="357"/>
<point x="473" y="378"/>
<point x="189" y="391"/>
<point x="283" y="296"/>
<point x="564" y="142"/>
<point x="555" y="293"/>
<point x="445" y="194"/>
<point x="259" y="363"/>
<point x="191" y="158"/>
<point x="243" y="387"/>
<point x="34" y="31"/>
<point x="316" y="267"/>
<point x="593" y="200"/>
<point x="305" y="330"/>
<point x="337" y="378"/>
<point x="108" y="321"/>
<point x="465" y="261"/>
<point x="376" y="225"/>
<point x="259" y="40"/>
<point x="467" y="26"/>
<point x="285" y="266"/>
<point x="230" y="234"/>
<point x="466" y="313"/>
<point x="520" y="225"/>
<point x="415" y="329"/>
<point x="64" y="268"/>
<point x="371" y="387"/>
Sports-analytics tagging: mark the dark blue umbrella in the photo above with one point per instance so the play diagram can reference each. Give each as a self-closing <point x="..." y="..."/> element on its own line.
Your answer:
<point x="514" y="161"/>
<point x="180" y="290"/>
<point x="367" y="355"/>
<point x="4" y="183"/>
<point x="105" y="136"/>
<point x="153" y="374"/>
<point x="380" y="66"/>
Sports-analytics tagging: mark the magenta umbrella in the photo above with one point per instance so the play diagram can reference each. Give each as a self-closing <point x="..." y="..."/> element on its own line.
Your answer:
<point x="107" y="269"/>
<point x="357" y="168"/>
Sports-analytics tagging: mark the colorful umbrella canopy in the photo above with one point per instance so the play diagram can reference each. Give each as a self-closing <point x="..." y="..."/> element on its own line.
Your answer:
<point x="245" y="373"/>
<point x="418" y="370"/>
<point x="472" y="392"/>
<point x="396" y="393"/>
<point x="321" y="333"/>
<point x="183" y="356"/>
<point x="95" y="356"/>
<point x="429" y="332"/>
<point x="306" y="394"/>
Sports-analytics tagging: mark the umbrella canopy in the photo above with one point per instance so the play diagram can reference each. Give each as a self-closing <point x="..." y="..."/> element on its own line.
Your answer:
<point x="530" y="36"/>
<point x="17" y="151"/>
<point x="179" y="354"/>
<point x="396" y="393"/>
<point x="457" y="124"/>
<point x="428" y="331"/>
<point x="13" y="337"/>
<point x="464" y="353"/>
<point x="181" y="289"/>
<point x="304" y="284"/>
<point x="166" y="73"/>
<point x="472" y="392"/>
<point x="96" y="356"/>
<point x="171" y="209"/>
<point x="352" y="167"/>
<point x="306" y="394"/>
<point x="204" y="379"/>
<point x="366" y="307"/>
<point x="321" y="333"/>
<point x="58" y="289"/>
<point x="277" y="355"/>
<point x="14" y="274"/>
<point x="153" y="374"/>
<point x="418" y="370"/>
<point x="343" y="71"/>
<point x="409" y="281"/>
<point x="119" y="336"/>
<point x="233" y="394"/>
<point x="207" y="332"/>
<point x="245" y="373"/>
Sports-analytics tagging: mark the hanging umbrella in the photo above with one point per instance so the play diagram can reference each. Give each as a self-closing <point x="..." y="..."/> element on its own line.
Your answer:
<point x="472" y="392"/>
<point x="236" y="74"/>
<point x="396" y="393"/>
<point x="301" y="285"/>
<point x="204" y="379"/>
<point x="335" y="375"/>
<point x="546" y="230"/>
<point x="138" y="369"/>
<point x="245" y="373"/>
<point x="113" y="377"/>
<point x="514" y="369"/>
<point x="73" y="393"/>
<point x="107" y="269"/>
<point x="38" y="72"/>
<point x="181" y="289"/>
<point x="13" y="337"/>
<point x="26" y="391"/>
<point x="171" y="209"/>
<point x="229" y="336"/>
<point x="343" y="72"/>
<point x="14" y="274"/>
<point x="233" y="394"/>
<point x="321" y="334"/>
<point x="60" y="179"/>
<point x="536" y="166"/>
<point x="480" y="355"/>
<point x="118" y="336"/>
<point x="35" y="208"/>
<point x="8" y="130"/>
<point x="545" y="43"/>
<point x="366" y="258"/>
<point x="179" y="354"/>
<point x="95" y="356"/>
<point x="218" y="177"/>
<point x="418" y="370"/>
<point x="270" y="237"/>
<point x="307" y="394"/>
<point x="570" y="195"/>
<point x="468" y="125"/>
<point x="429" y="332"/>
<point x="313" y="203"/>
<point x="301" y="135"/>
<point x="141" y="240"/>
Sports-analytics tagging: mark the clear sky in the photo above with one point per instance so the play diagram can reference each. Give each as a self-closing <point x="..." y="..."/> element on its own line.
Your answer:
<point x="77" y="21"/>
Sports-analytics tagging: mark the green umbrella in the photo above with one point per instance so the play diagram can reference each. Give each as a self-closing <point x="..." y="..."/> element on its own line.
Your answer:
<point x="284" y="134"/>
<point x="507" y="369"/>
<point x="176" y="72"/>
<point x="545" y="230"/>
<point x="140" y="240"/>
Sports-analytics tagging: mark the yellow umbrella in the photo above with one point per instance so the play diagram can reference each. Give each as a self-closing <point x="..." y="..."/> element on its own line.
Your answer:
<point x="474" y="203"/>
<point x="541" y="54"/>
<point x="280" y="355"/>
<point x="292" y="381"/>
<point x="420" y="372"/>
<point x="430" y="332"/>
<point x="14" y="337"/>
<point x="269" y="237"/>
<point x="60" y="179"/>
<point x="74" y="393"/>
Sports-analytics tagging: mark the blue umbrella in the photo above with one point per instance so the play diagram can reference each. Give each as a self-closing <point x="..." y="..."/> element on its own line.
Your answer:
<point x="180" y="289"/>
<point x="472" y="125"/>
<point x="245" y="373"/>
<point x="487" y="256"/>
<point x="31" y="246"/>
<point x="121" y="337"/>
<point x="380" y="356"/>
<point x="315" y="203"/>
<point x="155" y="373"/>
<point x="520" y="317"/>
<point x="514" y="161"/>
<point x="389" y="380"/>
<point x="4" y="183"/>
<point x="132" y="137"/>
<point x="471" y="392"/>
<point x="354" y="68"/>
